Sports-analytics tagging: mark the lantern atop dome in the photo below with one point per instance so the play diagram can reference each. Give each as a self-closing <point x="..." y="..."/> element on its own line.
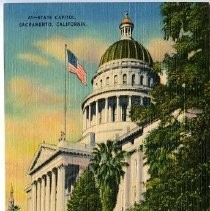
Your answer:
<point x="126" y="28"/>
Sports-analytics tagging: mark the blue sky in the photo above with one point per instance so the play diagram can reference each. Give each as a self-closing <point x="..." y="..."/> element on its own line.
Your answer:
<point x="34" y="71"/>
<point x="101" y="19"/>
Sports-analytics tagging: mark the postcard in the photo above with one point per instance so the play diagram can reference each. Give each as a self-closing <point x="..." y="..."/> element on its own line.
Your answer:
<point x="90" y="93"/>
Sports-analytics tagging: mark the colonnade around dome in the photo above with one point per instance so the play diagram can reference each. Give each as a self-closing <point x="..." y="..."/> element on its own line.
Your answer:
<point x="111" y="109"/>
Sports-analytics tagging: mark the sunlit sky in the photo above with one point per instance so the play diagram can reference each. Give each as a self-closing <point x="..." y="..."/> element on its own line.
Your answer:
<point x="35" y="66"/>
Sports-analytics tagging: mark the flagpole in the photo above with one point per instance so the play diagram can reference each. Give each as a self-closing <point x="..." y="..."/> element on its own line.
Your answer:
<point x="65" y="107"/>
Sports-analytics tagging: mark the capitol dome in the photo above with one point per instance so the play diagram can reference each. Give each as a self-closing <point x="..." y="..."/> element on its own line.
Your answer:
<point x="124" y="78"/>
<point x="126" y="48"/>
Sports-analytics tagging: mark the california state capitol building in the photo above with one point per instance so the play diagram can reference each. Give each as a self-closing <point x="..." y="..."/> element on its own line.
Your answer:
<point x="124" y="78"/>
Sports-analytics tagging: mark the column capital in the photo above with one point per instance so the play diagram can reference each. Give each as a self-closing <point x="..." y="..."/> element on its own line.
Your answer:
<point x="54" y="170"/>
<point x="61" y="166"/>
<point x="44" y="176"/>
<point x="34" y="182"/>
<point x="49" y="173"/>
<point x="39" y="179"/>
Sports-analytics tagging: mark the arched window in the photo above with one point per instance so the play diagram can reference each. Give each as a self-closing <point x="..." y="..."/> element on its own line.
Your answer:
<point x="107" y="81"/>
<point x="141" y="79"/>
<point x="115" y="80"/>
<point x="124" y="79"/>
<point x="133" y="79"/>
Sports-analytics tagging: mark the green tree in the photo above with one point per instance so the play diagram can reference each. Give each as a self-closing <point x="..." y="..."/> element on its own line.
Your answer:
<point x="178" y="152"/>
<point x="85" y="195"/>
<point x="13" y="208"/>
<point x="107" y="165"/>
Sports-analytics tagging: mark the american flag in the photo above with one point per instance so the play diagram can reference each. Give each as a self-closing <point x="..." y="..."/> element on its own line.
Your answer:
<point x="76" y="68"/>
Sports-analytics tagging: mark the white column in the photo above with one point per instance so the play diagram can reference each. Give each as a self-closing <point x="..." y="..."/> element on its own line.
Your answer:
<point x="129" y="108"/>
<point x="118" y="109"/>
<point x="81" y="170"/>
<point x="145" y="177"/>
<point x="38" y="195"/>
<point x="97" y="112"/>
<point x="138" y="79"/>
<point x="106" y="110"/>
<point x="85" y="118"/>
<point x="139" y="178"/>
<point x="127" y="184"/>
<point x="47" y="197"/>
<point x="34" y="189"/>
<point x="53" y="191"/>
<point x="60" y="205"/>
<point x="42" y="193"/>
<point x="89" y="115"/>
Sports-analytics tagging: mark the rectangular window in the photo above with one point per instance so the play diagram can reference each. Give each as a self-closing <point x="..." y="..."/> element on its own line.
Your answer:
<point x="115" y="80"/>
<point x="113" y="113"/>
<point x="124" y="110"/>
<point x="107" y="81"/>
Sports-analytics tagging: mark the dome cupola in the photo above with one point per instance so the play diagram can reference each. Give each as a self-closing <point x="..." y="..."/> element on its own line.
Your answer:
<point x="126" y="28"/>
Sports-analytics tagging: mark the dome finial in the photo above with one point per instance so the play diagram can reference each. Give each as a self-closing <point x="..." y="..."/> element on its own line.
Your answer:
<point x="126" y="28"/>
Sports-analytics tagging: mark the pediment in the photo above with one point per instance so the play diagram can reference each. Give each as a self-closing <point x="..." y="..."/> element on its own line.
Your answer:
<point x="43" y="153"/>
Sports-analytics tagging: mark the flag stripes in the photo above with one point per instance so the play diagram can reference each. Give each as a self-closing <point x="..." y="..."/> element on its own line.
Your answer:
<point x="79" y="72"/>
<point x="76" y="68"/>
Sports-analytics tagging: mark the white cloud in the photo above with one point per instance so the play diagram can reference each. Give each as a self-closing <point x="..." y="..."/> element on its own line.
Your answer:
<point x="34" y="58"/>
<point x="85" y="48"/>
<point x="25" y="93"/>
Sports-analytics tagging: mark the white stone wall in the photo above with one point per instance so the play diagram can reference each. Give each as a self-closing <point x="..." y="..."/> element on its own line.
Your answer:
<point x="132" y="186"/>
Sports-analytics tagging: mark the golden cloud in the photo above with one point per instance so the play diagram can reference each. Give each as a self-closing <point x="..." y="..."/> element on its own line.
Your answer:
<point x="23" y="136"/>
<point x="85" y="48"/>
<point x="25" y="93"/>
<point x="34" y="58"/>
<point x="159" y="47"/>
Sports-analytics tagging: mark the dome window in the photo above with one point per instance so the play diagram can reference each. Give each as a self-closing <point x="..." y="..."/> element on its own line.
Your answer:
<point x="101" y="83"/>
<point x="133" y="79"/>
<point x="107" y="81"/>
<point x="124" y="79"/>
<point x="141" y="79"/>
<point x="115" y="80"/>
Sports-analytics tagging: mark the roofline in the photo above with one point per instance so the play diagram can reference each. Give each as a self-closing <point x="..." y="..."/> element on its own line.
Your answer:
<point x="50" y="146"/>
<point x="58" y="152"/>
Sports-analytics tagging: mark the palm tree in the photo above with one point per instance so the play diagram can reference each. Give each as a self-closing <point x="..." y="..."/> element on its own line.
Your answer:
<point x="107" y="165"/>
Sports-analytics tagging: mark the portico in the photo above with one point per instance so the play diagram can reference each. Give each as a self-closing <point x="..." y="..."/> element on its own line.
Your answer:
<point x="53" y="176"/>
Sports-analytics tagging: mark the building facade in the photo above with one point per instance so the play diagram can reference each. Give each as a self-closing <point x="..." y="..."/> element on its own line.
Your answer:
<point x="124" y="78"/>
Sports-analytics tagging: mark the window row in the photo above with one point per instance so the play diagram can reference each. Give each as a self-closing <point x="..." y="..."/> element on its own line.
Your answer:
<point x="143" y="80"/>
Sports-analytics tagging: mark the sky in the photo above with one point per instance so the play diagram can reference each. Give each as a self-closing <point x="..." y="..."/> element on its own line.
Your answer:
<point x="34" y="71"/>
